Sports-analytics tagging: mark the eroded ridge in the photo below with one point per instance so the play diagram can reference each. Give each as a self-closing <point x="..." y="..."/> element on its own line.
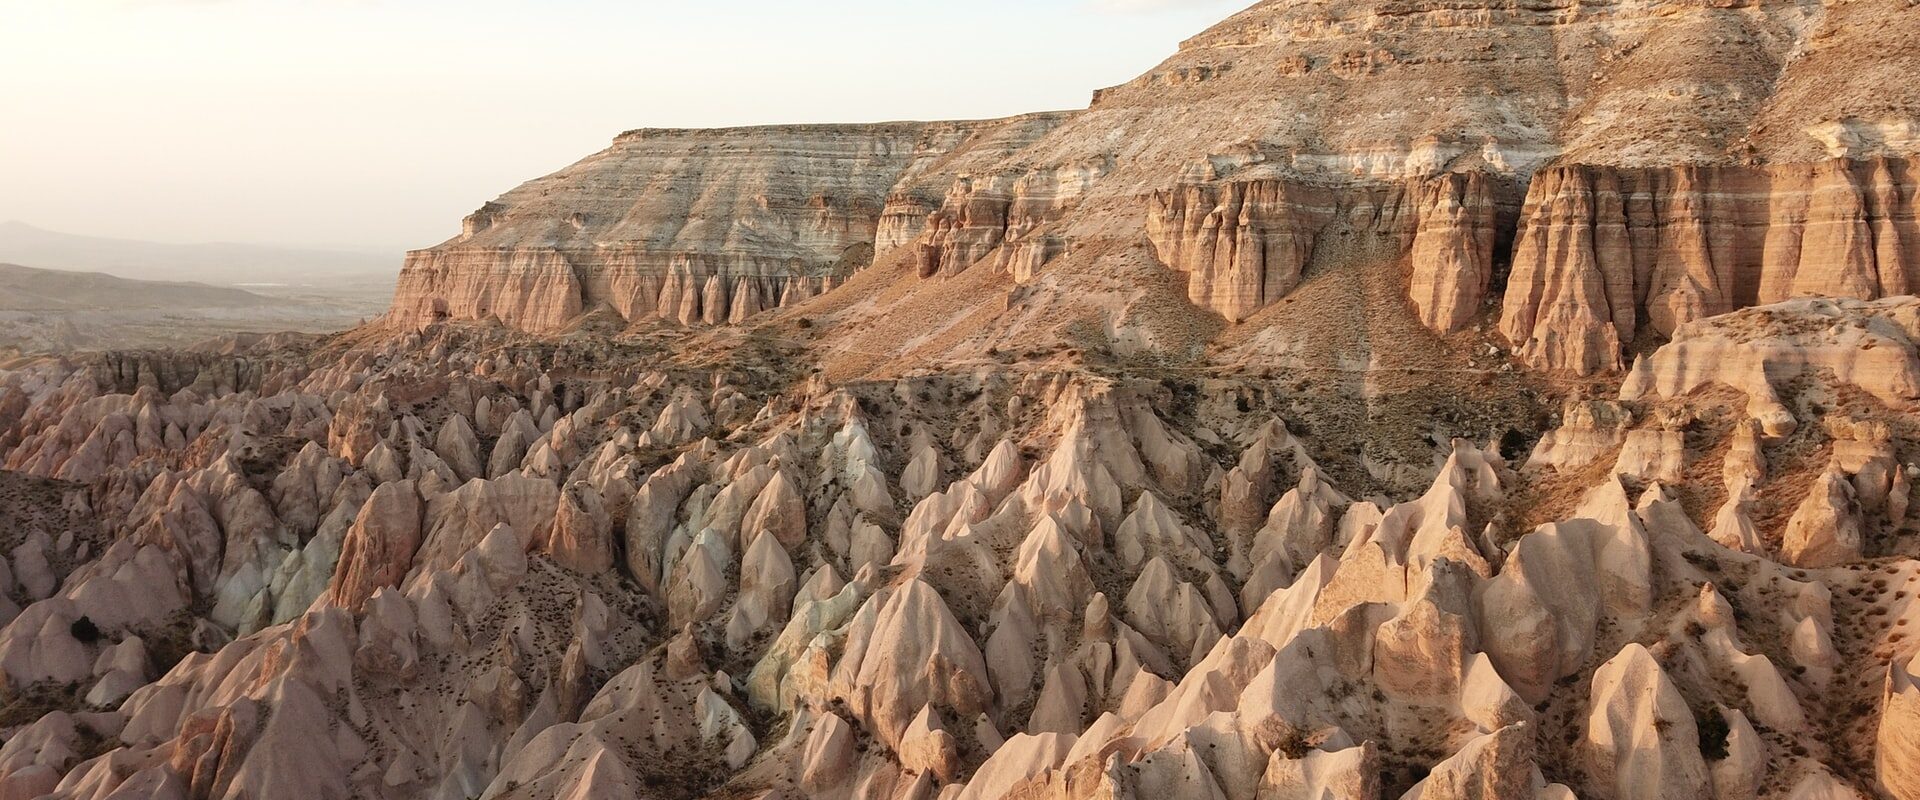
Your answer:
<point x="478" y="564"/>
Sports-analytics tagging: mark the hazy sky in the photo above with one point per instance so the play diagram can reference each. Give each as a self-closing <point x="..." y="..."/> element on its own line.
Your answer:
<point x="380" y="123"/>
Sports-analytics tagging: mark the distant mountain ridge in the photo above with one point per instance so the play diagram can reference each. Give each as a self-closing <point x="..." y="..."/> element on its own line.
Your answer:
<point x="213" y="263"/>
<point x="30" y="289"/>
<point x="55" y="311"/>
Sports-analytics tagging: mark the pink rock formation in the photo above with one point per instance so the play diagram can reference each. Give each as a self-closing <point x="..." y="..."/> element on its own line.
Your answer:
<point x="1605" y="254"/>
<point x="1641" y="737"/>
<point x="645" y="229"/>
<point x="379" y="548"/>
<point x="1245" y="244"/>
<point x="1001" y="507"/>
<point x="1899" y="742"/>
<point x="1076" y="620"/>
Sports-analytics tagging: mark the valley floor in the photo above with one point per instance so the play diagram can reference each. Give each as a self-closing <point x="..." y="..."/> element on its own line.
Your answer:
<point x="465" y="562"/>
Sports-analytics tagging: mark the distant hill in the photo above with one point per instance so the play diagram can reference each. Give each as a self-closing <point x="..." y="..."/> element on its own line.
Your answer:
<point x="213" y="263"/>
<point x="29" y="289"/>
<point x="52" y="311"/>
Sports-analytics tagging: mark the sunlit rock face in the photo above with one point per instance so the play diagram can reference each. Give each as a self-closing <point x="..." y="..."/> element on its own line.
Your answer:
<point x="700" y="227"/>
<point x="1400" y="400"/>
<point x="1607" y="255"/>
<point x="1633" y="166"/>
<point x="1246" y="245"/>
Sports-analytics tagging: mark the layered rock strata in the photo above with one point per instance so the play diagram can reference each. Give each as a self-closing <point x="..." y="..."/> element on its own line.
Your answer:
<point x="1123" y="557"/>
<point x="1246" y="244"/>
<point x="1606" y="255"/>
<point x="700" y="227"/>
<point x="1677" y="159"/>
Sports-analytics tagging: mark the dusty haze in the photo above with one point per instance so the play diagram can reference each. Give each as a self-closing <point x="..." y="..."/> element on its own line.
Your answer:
<point x="373" y="124"/>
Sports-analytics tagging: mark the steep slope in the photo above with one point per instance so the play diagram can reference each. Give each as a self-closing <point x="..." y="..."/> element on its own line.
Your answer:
<point x="1172" y="448"/>
<point x="1420" y="125"/>
<point x="1607" y="255"/>
<point x="698" y="227"/>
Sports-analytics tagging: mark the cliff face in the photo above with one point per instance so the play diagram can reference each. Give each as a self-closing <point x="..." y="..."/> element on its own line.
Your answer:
<point x="1607" y="254"/>
<point x="1712" y="155"/>
<point x="697" y="226"/>
<point x="999" y="215"/>
<point x="1676" y="159"/>
<point x="1245" y="245"/>
<point x="1114" y="454"/>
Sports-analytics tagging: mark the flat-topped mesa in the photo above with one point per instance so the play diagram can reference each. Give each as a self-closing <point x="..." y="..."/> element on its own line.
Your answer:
<point x="1675" y="159"/>
<point x="697" y="226"/>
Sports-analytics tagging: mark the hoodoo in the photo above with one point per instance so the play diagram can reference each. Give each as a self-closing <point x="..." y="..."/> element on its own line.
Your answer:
<point x="1377" y="399"/>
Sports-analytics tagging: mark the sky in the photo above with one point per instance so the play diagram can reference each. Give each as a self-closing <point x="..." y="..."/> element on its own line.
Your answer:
<point x="378" y="124"/>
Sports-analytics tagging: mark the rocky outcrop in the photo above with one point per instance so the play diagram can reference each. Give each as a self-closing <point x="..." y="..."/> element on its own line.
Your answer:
<point x="1032" y="583"/>
<point x="1898" y="760"/>
<point x="1000" y="214"/>
<point x="1868" y="347"/>
<point x="1606" y="255"/>
<point x="1119" y="552"/>
<point x="1244" y="244"/>
<point x="1641" y="737"/>
<point x="1453" y="252"/>
<point x="698" y="227"/>
<point x="378" y="549"/>
<point x="1825" y="530"/>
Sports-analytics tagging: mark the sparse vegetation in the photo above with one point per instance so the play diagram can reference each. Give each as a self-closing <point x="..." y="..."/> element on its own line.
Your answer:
<point x="1713" y="729"/>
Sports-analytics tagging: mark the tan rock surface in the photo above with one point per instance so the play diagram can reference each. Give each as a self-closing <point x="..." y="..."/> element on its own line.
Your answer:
<point x="1898" y="765"/>
<point x="1064" y="620"/>
<point x="1605" y="254"/>
<point x="648" y="229"/>
<point x="1168" y="448"/>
